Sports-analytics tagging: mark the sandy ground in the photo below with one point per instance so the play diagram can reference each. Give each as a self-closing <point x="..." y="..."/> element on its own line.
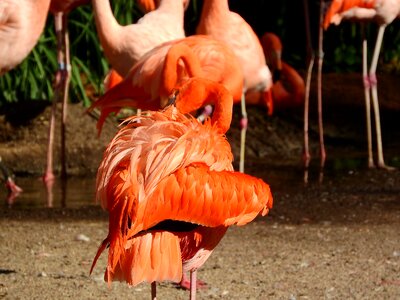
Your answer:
<point x="338" y="239"/>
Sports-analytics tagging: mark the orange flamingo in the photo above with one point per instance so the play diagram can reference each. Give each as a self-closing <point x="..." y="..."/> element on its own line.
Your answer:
<point x="21" y="24"/>
<point x="382" y="12"/>
<point x="124" y="45"/>
<point x="288" y="88"/>
<point x="161" y="180"/>
<point x="158" y="72"/>
<point x="219" y="22"/>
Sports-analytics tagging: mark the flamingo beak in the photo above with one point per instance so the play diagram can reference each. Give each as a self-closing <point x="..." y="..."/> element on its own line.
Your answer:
<point x="269" y="101"/>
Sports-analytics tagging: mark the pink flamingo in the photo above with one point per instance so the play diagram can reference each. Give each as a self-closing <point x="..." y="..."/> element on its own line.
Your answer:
<point x="152" y="179"/>
<point x="124" y="45"/>
<point x="382" y="12"/>
<point x="222" y="24"/>
<point x="21" y="24"/>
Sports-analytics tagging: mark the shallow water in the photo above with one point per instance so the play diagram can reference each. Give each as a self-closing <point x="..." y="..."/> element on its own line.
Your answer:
<point x="80" y="191"/>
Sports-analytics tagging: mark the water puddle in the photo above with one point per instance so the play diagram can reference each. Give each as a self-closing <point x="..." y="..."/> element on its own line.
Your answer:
<point x="80" y="191"/>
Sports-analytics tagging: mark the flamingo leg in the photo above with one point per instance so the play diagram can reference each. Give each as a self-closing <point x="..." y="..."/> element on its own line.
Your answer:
<point x="367" y="88"/>
<point x="48" y="177"/>
<point x="193" y="278"/>
<point x="243" y="126"/>
<point x="310" y="64"/>
<point x="319" y="86"/>
<point x="66" y="74"/>
<point x="374" y="92"/>
<point x="154" y="290"/>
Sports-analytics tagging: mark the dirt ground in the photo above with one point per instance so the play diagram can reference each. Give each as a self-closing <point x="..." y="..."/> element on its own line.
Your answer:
<point x="338" y="239"/>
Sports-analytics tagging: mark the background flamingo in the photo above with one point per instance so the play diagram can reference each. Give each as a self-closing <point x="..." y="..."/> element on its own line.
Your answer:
<point x="151" y="181"/>
<point x="124" y="45"/>
<point x="21" y="24"/>
<point x="288" y="88"/>
<point x="382" y="12"/>
<point x="151" y="80"/>
<point x="219" y="22"/>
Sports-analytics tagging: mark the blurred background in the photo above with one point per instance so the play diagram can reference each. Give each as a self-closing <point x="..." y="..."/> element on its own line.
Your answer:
<point x="33" y="79"/>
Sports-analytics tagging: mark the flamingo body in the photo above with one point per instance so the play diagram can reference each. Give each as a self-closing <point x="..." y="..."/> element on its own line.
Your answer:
<point x="162" y="179"/>
<point x="21" y="24"/>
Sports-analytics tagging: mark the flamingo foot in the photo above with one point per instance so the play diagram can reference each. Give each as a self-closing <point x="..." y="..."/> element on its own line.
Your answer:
<point x="48" y="178"/>
<point x="13" y="190"/>
<point x="185" y="283"/>
<point x="383" y="166"/>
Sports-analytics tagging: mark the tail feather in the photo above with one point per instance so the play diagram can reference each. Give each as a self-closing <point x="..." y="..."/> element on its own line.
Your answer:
<point x="340" y="6"/>
<point x="149" y="257"/>
<point x="122" y="95"/>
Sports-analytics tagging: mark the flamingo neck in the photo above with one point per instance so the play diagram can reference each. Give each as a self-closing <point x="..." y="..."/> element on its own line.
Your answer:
<point x="198" y="92"/>
<point x="172" y="71"/>
<point x="173" y="7"/>
<point x="217" y="8"/>
<point x="106" y="24"/>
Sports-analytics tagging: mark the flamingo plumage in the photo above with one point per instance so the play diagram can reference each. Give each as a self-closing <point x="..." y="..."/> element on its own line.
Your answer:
<point x="162" y="179"/>
<point x="382" y="12"/>
<point x="158" y="72"/>
<point x="222" y="24"/>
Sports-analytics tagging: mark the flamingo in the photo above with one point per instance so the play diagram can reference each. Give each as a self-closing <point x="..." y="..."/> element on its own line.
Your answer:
<point x="288" y="88"/>
<point x="60" y="10"/>
<point x="21" y="24"/>
<point x="222" y="24"/>
<point x="158" y="72"/>
<point x="162" y="178"/>
<point x="382" y="12"/>
<point x="124" y="45"/>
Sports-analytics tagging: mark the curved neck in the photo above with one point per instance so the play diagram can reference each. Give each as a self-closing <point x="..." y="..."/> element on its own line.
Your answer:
<point x="214" y="7"/>
<point x="198" y="92"/>
<point x="171" y="69"/>
<point x="106" y="24"/>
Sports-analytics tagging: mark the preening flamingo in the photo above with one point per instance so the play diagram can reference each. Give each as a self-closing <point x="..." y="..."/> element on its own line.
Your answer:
<point x="382" y="12"/>
<point x="151" y="81"/>
<point x="288" y="88"/>
<point x="124" y="45"/>
<point x="162" y="179"/>
<point x="21" y="24"/>
<point x="222" y="24"/>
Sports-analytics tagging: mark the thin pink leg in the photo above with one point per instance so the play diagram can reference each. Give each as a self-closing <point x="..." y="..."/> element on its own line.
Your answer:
<point x="319" y="83"/>
<point x="193" y="275"/>
<point x="367" y="88"/>
<point x="66" y="80"/>
<point x="310" y="64"/>
<point x="243" y="126"/>
<point x="375" y="103"/>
